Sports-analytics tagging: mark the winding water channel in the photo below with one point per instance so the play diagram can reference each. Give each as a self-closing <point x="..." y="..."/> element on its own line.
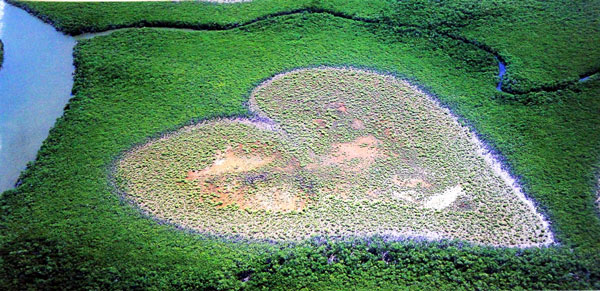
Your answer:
<point x="501" y="72"/>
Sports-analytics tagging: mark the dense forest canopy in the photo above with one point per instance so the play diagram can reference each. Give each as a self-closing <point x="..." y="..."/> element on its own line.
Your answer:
<point x="66" y="226"/>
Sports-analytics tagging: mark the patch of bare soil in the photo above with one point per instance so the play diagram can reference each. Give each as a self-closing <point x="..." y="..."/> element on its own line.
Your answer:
<point x="364" y="149"/>
<point x="445" y="199"/>
<point x="233" y="180"/>
<point x="241" y="189"/>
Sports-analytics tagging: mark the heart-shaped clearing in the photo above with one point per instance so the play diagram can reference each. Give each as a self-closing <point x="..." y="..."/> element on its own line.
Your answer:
<point x="339" y="152"/>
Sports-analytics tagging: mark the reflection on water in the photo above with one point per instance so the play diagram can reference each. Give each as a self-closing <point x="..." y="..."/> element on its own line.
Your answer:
<point x="35" y="85"/>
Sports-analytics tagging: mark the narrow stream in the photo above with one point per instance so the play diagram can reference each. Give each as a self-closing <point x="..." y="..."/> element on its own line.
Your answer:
<point x="35" y="84"/>
<point x="501" y="72"/>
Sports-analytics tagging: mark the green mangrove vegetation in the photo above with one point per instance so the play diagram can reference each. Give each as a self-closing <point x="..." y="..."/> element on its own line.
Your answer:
<point x="533" y="37"/>
<point x="66" y="226"/>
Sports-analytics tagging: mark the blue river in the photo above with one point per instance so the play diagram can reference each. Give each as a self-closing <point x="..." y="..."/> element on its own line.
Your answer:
<point x="35" y="85"/>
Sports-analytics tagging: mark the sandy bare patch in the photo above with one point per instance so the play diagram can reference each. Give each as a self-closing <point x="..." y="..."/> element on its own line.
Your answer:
<point x="443" y="200"/>
<point x="227" y="191"/>
<point x="364" y="149"/>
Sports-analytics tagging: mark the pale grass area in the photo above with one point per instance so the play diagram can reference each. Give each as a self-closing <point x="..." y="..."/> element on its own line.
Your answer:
<point x="374" y="156"/>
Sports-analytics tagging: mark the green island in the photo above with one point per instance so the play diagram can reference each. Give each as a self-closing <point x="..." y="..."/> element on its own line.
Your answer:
<point x="317" y="145"/>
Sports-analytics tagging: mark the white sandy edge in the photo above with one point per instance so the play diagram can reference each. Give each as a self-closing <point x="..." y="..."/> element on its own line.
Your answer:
<point x="494" y="163"/>
<point x="496" y="166"/>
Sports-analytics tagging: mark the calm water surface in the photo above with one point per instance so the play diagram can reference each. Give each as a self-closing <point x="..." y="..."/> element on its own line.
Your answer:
<point x="35" y="84"/>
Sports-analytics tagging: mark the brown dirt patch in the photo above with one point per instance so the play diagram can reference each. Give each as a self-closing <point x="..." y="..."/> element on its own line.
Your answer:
<point x="245" y="190"/>
<point x="364" y="148"/>
<point x="341" y="107"/>
<point x="292" y="166"/>
<point x="225" y="190"/>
